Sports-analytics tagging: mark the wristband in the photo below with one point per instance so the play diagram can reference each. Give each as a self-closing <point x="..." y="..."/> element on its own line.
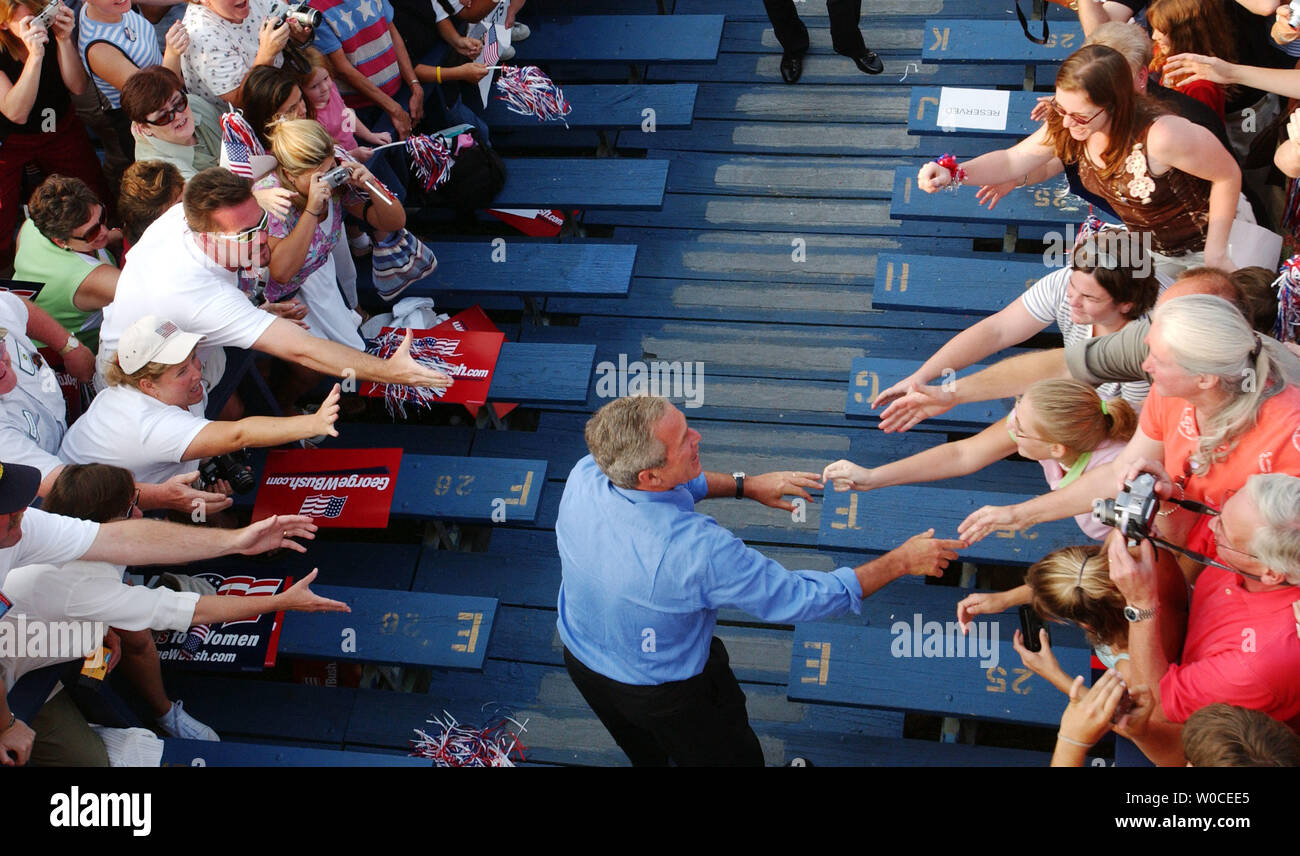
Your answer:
<point x="437" y="70"/>
<point x="949" y="163"/>
<point x="69" y="346"/>
<point x="1073" y="742"/>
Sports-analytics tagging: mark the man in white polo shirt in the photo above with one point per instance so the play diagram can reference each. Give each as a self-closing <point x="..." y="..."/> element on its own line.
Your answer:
<point x="29" y="536"/>
<point x="187" y="268"/>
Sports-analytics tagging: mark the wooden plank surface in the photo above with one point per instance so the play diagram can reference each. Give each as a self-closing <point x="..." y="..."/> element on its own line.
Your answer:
<point x="961" y="40"/>
<point x="606" y="106"/>
<point x="869" y="375"/>
<point x="928" y="283"/>
<point x="523" y="267"/>
<point x="1047" y="206"/>
<point x="592" y="184"/>
<point x="468" y="488"/>
<point x="532" y="372"/>
<point x="623" y="39"/>
<point x="205" y="753"/>
<point x="923" y="116"/>
<point x="407" y="628"/>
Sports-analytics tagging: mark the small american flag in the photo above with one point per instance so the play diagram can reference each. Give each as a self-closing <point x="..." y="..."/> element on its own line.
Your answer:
<point x="248" y="586"/>
<point x="239" y="144"/>
<point x="194" y="641"/>
<point x="322" y="505"/>
<point x="491" y="48"/>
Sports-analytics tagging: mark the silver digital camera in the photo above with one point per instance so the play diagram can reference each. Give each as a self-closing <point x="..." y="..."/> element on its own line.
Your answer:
<point x="306" y="16"/>
<point x="1133" y="511"/>
<point x="46" y="15"/>
<point x="337" y="177"/>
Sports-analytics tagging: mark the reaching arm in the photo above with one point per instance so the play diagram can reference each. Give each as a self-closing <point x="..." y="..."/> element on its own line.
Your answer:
<point x="941" y="462"/>
<point x="292" y="343"/>
<point x="218" y="438"/>
<point x="995" y="167"/>
<point x="361" y="84"/>
<point x="70" y="67"/>
<point x="1009" y="377"/>
<point x="212" y="609"/>
<point x="1188" y="68"/>
<point x="1010" y="326"/>
<point x="18" y="97"/>
<point x="153" y="542"/>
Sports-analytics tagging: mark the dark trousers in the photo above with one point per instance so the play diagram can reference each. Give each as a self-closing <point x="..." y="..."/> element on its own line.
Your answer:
<point x="846" y="38"/>
<point x="698" y="722"/>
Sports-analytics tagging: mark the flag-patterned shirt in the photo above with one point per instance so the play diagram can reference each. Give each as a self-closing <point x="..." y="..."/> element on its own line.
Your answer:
<point x="359" y="28"/>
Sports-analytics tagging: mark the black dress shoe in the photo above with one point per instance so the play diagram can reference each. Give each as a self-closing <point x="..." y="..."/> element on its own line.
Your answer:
<point x="791" y="67"/>
<point x="869" y="63"/>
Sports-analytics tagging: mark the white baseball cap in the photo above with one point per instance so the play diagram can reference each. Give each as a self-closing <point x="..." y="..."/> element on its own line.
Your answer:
<point x="154" y="340"/>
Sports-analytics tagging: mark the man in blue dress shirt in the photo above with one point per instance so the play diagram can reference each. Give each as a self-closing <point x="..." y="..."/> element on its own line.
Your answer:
<point x="644" y="575"/>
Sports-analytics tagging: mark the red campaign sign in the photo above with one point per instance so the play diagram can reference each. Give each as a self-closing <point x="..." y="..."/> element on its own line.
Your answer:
<point x="350" y="488"/>
<point x="474" y="319"/>
<point x="469" y="357"/>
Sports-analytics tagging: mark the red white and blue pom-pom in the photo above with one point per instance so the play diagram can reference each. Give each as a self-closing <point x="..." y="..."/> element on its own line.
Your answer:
<point x="529" y="92"/>
<point x="425" y="350"/>
<point x="1287" y="326"/>
<point x="451" y="744"/>
<point x="955" y="170"/>
<point x="431" y="158"/>
<point x="240" y="143"/>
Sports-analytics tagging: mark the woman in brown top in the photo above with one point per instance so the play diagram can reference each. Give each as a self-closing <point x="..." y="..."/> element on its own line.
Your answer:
<point x="1162" y="174"/>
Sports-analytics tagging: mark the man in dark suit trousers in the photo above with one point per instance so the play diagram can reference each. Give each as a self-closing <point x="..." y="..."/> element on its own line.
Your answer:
<point x="846" y="38"/>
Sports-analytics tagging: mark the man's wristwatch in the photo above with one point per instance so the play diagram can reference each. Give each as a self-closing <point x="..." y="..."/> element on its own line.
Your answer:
<point x="740" y="484"/>
<point x="1132" y="613"/>
<point x="69" y="346"/>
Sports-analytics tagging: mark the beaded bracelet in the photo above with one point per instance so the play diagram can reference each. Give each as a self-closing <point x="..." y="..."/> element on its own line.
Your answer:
<point x="949" y="163"/>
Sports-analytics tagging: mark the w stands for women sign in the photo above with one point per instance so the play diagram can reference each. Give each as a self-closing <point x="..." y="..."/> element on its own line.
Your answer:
<point x="350" y="488"/>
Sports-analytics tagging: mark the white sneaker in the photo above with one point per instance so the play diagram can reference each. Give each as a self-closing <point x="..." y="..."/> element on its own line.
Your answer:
<point x="519" y="32"/>
<point x="177" y="723"/>
<point x="507" y="53"/>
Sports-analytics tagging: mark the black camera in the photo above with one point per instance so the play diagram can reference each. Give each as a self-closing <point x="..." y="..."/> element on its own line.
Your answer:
<point x="1133" y="511"/>
<point x="337" y="177"/>
<point x="231" y="467"/>
<point x="304" y="15"/>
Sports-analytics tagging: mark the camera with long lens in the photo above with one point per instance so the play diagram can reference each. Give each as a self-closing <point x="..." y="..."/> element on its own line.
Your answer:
<point x="231" y="467"/>
<point x="1133" y="511"/>
<point x="46" y="15"/>
<point x="304" y="15"/>
<point x="337" y="177"/>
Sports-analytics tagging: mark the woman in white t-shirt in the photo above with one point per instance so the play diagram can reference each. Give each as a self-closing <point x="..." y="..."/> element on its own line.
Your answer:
<point x="1098" y="293"/>
<point x="143" y="421"/>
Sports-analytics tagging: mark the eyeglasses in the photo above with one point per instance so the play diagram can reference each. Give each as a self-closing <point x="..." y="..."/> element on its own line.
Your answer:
<point x="169" y="112"/>
<point x="1073" y="117"/>
<point x="135" y="503"/>
<point x="93" y="231"/>
<point x="248" y="235"/>
<point x="1013" y="425"/>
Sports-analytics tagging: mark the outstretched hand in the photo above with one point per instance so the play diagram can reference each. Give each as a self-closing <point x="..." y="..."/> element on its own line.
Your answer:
<point x="273" y="533"/>
<point x="917" y="404"/>
<point x="300" y="598"/>
<point x="771" y="489"/>
<point x="405" y="370"/>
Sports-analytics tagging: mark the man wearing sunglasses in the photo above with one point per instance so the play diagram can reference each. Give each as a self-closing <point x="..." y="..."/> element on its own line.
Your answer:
<point x="188" y="267"/>
<point x="1242" y="645"/>
<point x="68" y="245"/>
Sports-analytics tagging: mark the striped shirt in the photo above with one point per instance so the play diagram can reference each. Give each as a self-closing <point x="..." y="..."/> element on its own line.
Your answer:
<point x="360" y="28"/>
<point x="133" y="36"/>
<point x="1046" y="300"/>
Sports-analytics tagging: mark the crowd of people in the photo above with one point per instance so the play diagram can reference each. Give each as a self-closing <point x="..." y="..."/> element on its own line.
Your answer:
<point x="155" y="258"/>
<point x="1176" y="364"/>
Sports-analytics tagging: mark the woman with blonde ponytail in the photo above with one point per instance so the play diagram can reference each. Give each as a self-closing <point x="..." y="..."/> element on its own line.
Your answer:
<point x="1063" y="424"/>
<point x="1224" y="406"/>
<point x="303" y="239"/>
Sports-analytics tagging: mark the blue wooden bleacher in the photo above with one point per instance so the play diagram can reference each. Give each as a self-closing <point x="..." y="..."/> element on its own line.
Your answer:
<point x="923" y="118"/>
<point x="624" y="39"/>
<point x="869" y="375"/>
<point x="609" y="107"/>
<point x="588" y="183"/>
<point x="1042" y="208"/>
<point x="927" y="283"/>
<point x="204" y="753"/>
<point x="974" y="42"/>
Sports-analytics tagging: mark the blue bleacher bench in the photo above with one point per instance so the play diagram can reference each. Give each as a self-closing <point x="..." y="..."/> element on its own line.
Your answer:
<point x="542" y="373"/>
<point x="923" y="117"/>
<point x="879" y="520"/>
<point x="609" y="107"/>
<point x="1049" y="206"/>
<point x="524" y="268"/>
<point x="206" y="753"/>
<point x="628" y="184"/>
<point x="878" y="665"/>
<point x="927" y="283"/>
<point x="406" y="628"/>
<point x="624" y="39"/>
<point x="968" y="41"/>
<point x="869" y="375"/>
